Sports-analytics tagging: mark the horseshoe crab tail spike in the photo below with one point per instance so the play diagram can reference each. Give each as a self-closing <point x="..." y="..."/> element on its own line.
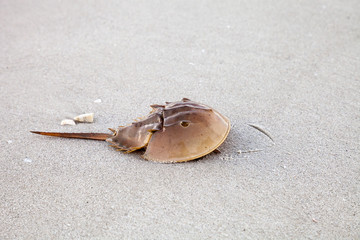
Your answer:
<point x="90" y="136"/>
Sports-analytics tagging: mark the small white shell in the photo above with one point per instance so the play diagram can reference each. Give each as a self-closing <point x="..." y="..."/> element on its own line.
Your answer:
<point x="87" y="117"/>
<point x="67" y="122"/>
<point x="27" y="160"/>
<point x="97" y="101"/>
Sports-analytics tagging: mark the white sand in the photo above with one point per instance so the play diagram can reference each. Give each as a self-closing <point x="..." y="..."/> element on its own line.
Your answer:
<point x="292" y="67"/>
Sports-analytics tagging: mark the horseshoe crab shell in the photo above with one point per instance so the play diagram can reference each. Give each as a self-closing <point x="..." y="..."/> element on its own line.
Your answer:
<point x="176" y="132"/>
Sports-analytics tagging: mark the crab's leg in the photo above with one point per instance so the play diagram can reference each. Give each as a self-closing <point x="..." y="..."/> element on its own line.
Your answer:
<point x="262" y="131"/>
<point x="90" y="136"/>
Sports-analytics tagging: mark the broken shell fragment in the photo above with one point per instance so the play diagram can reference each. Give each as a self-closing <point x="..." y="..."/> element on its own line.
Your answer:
<point x="85" y="118"/>
<point x="67" y="122"/>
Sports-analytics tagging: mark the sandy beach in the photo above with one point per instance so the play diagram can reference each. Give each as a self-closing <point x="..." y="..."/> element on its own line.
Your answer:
<point x="291" y="67"/>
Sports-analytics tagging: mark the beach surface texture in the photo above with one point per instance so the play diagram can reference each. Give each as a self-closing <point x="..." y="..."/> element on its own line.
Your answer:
<point x="290" y="67"/>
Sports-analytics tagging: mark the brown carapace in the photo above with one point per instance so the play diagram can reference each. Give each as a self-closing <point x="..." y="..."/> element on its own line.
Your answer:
<point x="175" y="132"/>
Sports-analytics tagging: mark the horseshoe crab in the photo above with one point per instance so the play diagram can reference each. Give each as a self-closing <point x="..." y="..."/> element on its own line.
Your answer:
<point x="175" y="132"/>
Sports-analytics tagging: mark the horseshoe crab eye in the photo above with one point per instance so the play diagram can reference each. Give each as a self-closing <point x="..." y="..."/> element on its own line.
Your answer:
<point x="184" y="124"/>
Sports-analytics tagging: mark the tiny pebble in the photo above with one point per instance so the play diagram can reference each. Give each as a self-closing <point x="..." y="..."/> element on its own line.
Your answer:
<point x="191" y="63"/>
<point x="9" y="141"/>
<point x="68" y="122"/>
<point x="87" y="117"/>
<point x="97" y="101"/>
<point x="27" y="160"/>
